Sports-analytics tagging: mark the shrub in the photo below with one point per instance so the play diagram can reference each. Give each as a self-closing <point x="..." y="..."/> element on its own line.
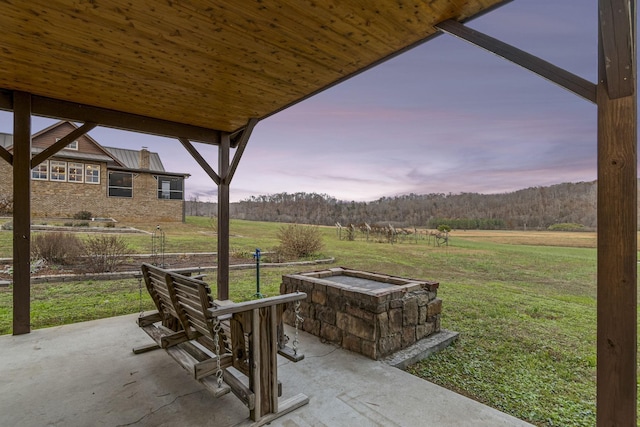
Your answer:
<point x="444" y="228"/>
<point x="6" y="205"/>
<point x="56" y="248"/>
<point x="299" y="241"/>
<point x="566" y="226"/>
<point x="105" y="253"/>
<point x="241" y="253"/>
<point x="83" y="215"/>
<point x="81" y="224"/>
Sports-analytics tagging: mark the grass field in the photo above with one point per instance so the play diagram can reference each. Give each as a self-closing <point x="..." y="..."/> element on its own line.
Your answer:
<point x="523" y="303"/>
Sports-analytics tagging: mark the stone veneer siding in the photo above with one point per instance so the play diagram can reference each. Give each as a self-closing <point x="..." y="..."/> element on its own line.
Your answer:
<point x="373" y="323"/>
<point x="63" y="199"/>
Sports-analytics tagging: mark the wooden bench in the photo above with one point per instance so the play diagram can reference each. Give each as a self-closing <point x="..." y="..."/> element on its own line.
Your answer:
<point x="226" y="346"/>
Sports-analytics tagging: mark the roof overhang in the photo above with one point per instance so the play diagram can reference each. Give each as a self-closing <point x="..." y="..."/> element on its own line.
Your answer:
<point x="194" y="69"/>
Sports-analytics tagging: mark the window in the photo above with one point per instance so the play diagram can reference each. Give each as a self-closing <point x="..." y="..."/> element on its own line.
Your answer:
<point x="72" y="145"/>
<point x="58" y="170"/>
<point x="170" y="187"/>
<point x="41" y="172"/>
<point x="92" y="174"/>
<point x="120" y="184"/>
<point x="76" y="172"/>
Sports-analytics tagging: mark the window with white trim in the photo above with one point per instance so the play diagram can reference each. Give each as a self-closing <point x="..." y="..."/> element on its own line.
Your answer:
<point x="41" y="172"/>
<point x="170" y="187"/>
<point x="57" y="170"/>
<point x="120" y="184"/>
<point x="76" y="172"/>
<point x="92" y="174"/>
<point x="73" y="145"/>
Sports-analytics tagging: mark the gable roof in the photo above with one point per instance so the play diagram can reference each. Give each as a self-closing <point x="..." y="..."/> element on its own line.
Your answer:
<point x="211" y="65"/>
<point x="104" y="157"/>
<point x="116" y="158"/>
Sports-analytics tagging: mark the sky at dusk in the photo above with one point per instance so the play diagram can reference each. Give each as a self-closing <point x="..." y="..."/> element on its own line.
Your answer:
<point x="443" y="117"/>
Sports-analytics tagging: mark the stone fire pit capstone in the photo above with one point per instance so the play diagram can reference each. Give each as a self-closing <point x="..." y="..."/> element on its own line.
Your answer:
<point x="369" y="313"/>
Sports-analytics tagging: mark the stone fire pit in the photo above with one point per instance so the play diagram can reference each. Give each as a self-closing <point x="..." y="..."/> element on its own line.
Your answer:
<point x="371" y="314"/>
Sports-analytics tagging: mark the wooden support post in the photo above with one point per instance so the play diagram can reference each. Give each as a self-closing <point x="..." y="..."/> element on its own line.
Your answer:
<point x="223" y="218"/>
<point x="617" y="229"/>
<point x="271" y="336"/>
<point x="255" y="360"/>
<point x="21" y="213"/>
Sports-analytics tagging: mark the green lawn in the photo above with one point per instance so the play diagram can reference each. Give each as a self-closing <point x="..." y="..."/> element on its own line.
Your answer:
<point x="526" y="314"/>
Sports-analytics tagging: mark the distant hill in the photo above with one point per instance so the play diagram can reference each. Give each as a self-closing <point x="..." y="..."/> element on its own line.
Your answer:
<point x="532" y="208"/>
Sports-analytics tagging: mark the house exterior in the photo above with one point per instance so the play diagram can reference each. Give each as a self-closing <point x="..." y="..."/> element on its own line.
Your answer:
<point x="123" y="184"/>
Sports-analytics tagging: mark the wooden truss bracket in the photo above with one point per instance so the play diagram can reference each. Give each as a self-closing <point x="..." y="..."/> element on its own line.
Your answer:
<point x="239" y="141"/>
<point x="61" y="143"/>
<point x="6" y="155"/>
<point x="241" y="145"/>
<point x="201" y="161"/>
<point x="563" y="78"/>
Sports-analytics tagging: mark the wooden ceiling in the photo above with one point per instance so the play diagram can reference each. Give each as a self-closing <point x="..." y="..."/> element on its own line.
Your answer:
<point x="211" y="64"/>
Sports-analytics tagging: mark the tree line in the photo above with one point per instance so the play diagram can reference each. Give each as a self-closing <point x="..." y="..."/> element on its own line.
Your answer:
<point x="530" y="208"/>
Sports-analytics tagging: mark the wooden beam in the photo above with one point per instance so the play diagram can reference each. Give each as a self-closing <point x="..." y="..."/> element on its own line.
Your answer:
<point x="21" y="213"/>
<point x="245" y="306"/>
<point x="6" y="155"/>
<point x="201" y="161"/>
<point x="617" y="230"/>
<point x="563" y="78"/>
<point x="223" y="219"/>
<point x="6" y="100"/>
<point x="49" y="107"/>
<point x="242" y="144"/>
<point x="61" y="143"/>
<point x="617" y="38"/>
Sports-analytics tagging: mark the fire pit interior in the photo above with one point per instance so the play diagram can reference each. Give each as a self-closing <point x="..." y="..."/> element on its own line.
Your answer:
<point x="369" y="313"/>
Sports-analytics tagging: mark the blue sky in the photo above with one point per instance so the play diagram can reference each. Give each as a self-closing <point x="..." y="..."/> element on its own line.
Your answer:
<point x="444" y="117"/>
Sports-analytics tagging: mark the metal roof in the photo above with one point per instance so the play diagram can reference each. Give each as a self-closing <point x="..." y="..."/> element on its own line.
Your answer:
<point x="131" y="158"/>
<point x="69" y="154"/>
<point x="208" y="64"/>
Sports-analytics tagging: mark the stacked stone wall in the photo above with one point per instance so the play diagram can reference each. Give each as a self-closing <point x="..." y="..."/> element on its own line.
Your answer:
<point x="375" y="325"/>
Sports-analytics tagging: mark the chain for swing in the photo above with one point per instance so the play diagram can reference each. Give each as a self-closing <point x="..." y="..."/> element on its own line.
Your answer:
<point x="140" y="295"/>
<point x="216" y="338"/>
<point x="298" y="322"/>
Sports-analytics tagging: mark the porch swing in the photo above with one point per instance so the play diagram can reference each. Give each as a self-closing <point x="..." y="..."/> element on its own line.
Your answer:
<point x="228" y="347"/>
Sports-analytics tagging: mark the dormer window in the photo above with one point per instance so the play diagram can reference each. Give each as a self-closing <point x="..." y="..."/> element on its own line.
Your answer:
<point x="72" y="146"/>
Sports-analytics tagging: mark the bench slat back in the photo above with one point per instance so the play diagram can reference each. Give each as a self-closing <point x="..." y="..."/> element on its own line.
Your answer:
<point x="192" y="297"/>
<point x="157" y="286"/>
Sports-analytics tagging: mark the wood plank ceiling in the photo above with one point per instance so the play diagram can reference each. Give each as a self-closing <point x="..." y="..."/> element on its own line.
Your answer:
<point x="212" y="64"/>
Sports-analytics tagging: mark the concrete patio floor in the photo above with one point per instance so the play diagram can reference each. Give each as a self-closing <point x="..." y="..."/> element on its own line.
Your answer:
<point x="85" y="374"/>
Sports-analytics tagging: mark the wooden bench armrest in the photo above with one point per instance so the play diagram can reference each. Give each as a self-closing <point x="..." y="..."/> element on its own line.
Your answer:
<point x="251" y="305"/>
